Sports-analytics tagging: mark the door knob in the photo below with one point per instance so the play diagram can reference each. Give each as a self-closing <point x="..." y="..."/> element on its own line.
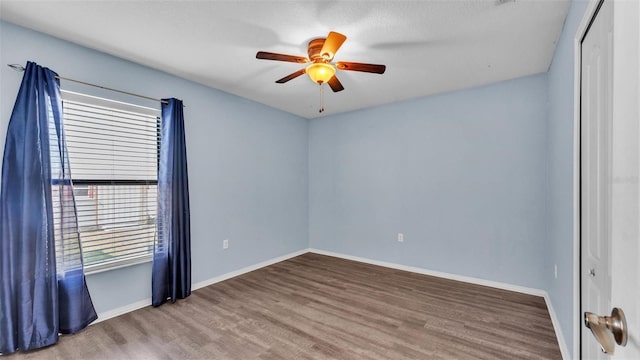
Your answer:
<point x="603" y="327"/>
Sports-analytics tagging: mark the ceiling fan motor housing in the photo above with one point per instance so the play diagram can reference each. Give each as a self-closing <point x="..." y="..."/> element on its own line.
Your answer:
<point x="314" y="49"/>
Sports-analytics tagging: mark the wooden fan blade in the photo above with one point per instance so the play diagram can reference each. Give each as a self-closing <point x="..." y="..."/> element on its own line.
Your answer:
<point x="331" y="45"/>
<point x="291" y="76"/>
<point x="280" y="57"/>
<point x="335" y="84"/>
<point x="353" y="66"/>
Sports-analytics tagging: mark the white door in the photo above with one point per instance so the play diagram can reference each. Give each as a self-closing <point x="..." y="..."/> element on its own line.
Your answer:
<point x="610" y="169"/>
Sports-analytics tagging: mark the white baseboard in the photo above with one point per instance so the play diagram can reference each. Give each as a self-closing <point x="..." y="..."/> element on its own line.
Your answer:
<point x="564" y="349"/>
<point x="247" y="269"/>
<point x="106" y="315"/>
<point x="468" y="279"/>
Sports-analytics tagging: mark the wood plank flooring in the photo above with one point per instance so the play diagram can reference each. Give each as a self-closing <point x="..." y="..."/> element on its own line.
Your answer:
<point x="321" y="307"/>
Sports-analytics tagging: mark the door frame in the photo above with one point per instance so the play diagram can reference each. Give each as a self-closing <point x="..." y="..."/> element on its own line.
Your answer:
<point x="587" y="18"/>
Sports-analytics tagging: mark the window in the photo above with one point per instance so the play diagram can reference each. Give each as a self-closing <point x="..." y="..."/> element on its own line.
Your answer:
<point x="113" y="154"/>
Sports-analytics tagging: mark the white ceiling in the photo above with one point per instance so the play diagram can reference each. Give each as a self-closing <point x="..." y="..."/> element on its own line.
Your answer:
<point x="429" y="47"/>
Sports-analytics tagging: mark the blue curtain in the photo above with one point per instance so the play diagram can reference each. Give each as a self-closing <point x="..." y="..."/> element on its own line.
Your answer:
<point x="41" y="294"/>
<point x="171" y="277"/>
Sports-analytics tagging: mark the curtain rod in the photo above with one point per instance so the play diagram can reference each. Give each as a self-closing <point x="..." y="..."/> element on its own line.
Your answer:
<point x="18" y="67"/>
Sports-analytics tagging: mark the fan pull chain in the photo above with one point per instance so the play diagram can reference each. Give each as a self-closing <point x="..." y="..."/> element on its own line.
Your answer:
<point x="321" y="98"/>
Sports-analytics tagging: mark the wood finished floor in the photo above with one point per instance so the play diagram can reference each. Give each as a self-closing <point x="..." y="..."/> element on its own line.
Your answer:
<point x="321" y="307"/>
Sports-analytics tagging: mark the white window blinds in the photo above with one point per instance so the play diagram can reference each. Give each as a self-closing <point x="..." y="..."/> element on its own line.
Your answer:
<point x="113" y="154"/>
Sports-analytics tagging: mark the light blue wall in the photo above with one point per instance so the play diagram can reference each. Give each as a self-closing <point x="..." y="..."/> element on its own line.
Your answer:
<point x="560" y="173"/>
<point x="461" y="175"/>
<point x="247" y="162"/>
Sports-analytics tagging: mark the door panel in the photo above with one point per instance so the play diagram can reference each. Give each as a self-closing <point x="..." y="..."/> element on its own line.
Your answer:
<point x="596" y="120"/>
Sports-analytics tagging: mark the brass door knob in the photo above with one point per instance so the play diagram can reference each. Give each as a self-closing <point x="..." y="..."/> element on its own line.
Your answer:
<point x="602" y="327"/>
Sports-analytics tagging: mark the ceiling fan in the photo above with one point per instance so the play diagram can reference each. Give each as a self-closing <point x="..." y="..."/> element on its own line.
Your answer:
<point x="322" y="70"/>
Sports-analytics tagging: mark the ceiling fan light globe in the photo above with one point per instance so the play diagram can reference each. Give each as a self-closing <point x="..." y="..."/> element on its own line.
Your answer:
<point x="320" y="72"/>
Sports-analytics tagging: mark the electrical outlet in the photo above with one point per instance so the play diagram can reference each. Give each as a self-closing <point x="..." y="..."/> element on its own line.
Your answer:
<point x="225" y="243"/>
<point x="555" y="270"/>
<point x="400" y="237"/>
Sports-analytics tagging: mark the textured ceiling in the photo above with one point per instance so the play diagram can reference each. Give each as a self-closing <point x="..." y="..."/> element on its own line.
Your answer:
<point x="429" y="47"/>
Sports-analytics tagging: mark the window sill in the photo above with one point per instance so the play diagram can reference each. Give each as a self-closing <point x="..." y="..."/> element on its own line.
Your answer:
<point x="118" y="264"/>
